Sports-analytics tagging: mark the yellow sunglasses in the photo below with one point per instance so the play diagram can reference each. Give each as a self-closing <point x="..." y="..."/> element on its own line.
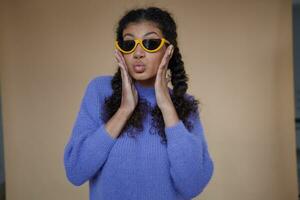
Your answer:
<point x="149" y="45"/>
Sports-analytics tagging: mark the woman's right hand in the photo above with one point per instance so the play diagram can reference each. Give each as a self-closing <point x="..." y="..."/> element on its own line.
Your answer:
<point x="129" y="92"/>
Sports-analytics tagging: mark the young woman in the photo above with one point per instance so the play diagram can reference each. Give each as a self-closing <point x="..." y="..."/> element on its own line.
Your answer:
<point x="134" y="137"/>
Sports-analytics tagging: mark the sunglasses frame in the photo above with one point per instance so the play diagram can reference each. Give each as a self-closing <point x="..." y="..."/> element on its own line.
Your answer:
<point x="140" y="41"/>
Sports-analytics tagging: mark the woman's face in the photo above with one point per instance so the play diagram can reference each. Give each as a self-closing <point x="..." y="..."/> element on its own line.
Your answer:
<point x="146" y="74"/>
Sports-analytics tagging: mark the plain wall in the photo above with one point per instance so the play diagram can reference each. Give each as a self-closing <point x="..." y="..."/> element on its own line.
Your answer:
<point x="238" y="55"/>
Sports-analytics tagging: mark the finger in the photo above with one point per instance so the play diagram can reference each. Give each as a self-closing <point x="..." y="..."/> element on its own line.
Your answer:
<point x="124" y="74"/>
<point x="165" y="69"/>
<point x="170" y="52"/>
<point x="165" y="78"/>
<point x="162" y="66"/>
<point x="122" y="59"/>
<point x="129" y="78"/>
<point x="166" y="57"/>
<point x="168" y="78"/>
<point x="119" y="56"/>
<point x="118" y="59"/>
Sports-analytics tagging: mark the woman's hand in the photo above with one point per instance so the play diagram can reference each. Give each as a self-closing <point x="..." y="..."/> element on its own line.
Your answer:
<point x="129" y="92"/>
<point x="163" y="98"/>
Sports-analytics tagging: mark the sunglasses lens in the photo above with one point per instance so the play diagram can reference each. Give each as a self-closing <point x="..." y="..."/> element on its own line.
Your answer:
<point x="151" y="44"/>
<point x="126" y="45"/>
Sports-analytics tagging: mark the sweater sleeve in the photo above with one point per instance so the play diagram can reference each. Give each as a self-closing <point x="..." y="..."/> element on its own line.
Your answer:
<point x="191" y="166"/>
<point x="89" y="144"/>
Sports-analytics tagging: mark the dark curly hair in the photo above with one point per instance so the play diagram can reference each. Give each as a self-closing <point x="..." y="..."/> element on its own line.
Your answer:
<point x="184" y="105"/>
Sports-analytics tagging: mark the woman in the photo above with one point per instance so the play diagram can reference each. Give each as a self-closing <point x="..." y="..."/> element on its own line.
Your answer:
<point x="135" y="138"/>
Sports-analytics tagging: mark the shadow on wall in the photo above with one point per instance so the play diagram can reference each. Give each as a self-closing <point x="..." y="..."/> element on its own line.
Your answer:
<point x="2" y="177"/>
<point x="296" y="39"/>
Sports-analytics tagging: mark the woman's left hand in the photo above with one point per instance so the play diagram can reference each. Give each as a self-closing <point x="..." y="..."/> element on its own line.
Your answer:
<point x="163" y="98"/>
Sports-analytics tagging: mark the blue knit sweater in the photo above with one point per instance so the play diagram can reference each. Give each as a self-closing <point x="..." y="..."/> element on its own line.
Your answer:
<point x="141" y="168"/>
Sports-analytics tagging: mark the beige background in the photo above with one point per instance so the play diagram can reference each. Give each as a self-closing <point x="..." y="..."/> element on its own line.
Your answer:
<point x="238" y="55"/>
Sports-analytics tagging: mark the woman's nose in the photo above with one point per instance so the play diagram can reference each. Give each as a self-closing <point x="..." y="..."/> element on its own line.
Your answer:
<point x="139" y="52"/>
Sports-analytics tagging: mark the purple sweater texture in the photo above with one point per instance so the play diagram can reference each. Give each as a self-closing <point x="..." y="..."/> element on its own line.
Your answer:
<point x="140" y="168"/>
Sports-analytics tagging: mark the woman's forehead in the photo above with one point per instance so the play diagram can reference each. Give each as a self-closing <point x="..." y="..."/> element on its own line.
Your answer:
<point x="141" y="29"/>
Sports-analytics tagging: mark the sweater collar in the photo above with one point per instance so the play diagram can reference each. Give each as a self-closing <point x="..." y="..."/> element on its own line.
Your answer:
<point x="145" y="90"/>
<point x="148" y="92"/>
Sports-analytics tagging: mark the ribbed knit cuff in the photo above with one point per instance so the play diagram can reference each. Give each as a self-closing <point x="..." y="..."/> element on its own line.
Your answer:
<point x="104" y="137"/>
<point x="175" y="130"/>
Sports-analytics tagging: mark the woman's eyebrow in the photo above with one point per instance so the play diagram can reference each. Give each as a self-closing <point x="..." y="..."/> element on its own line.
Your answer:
<point x="129" y="34"/>
<point x="151" y="33"/>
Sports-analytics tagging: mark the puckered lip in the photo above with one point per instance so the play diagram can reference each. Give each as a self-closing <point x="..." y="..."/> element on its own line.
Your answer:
<point x="139" y="64"/>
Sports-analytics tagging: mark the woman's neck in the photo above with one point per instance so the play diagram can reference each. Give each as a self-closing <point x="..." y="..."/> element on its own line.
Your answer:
<point x="149" y="83"/>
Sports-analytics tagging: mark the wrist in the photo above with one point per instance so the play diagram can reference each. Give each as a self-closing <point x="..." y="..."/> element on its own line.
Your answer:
<point x="125" y="112"/>
<point x="166" y="110"/>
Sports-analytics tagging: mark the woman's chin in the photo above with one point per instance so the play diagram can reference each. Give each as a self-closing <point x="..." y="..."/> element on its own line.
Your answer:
<point x="140" y="76"/>
<point x="144" y="78"/>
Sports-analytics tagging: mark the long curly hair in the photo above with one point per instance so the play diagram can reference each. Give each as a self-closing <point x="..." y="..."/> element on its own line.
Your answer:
<point x="184" y="105"/>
